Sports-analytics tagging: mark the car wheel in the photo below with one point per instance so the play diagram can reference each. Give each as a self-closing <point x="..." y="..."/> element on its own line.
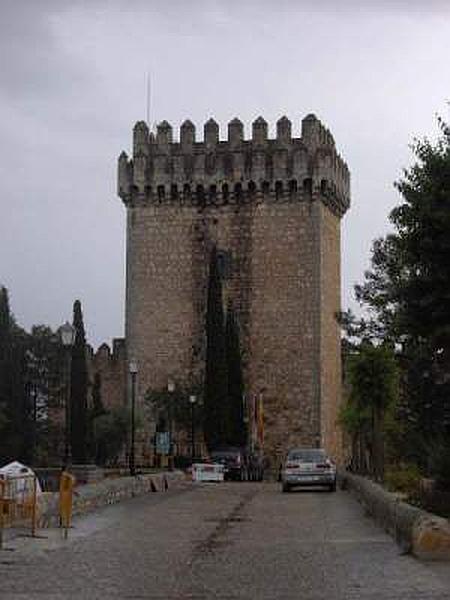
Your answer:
<point x="332" y="487"/>
<point x="286" y="488"/>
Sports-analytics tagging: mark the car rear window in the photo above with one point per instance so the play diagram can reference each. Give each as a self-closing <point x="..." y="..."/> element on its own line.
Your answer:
<point x="312" y="455"/>
<point x="224" y="454"/>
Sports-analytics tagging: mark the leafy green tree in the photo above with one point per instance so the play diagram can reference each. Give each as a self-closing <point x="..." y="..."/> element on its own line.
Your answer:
<point x="110" y="433"/>
<point x="407" y="292"/>
<point x="216" y="372"/>
<point x="13" y="397"/>
<point x="42" y="377"/>
<point x="165" y="405"/>
<point x="79" y="388"/>
<point x="373" y="382"/>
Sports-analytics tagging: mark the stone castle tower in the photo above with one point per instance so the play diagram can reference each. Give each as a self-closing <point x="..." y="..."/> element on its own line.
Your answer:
<point x="272" y="209"/>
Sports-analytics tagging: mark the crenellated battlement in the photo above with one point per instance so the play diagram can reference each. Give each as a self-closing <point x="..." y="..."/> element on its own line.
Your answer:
<point x="234" y="171"/>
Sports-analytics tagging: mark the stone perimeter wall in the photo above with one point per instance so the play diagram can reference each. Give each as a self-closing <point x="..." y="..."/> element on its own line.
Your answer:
<point x="281" y="239"/>
<point x="111" y="366"/>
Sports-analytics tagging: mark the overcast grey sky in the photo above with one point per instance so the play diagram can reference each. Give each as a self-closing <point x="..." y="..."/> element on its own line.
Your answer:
<point x="72" y="84"/>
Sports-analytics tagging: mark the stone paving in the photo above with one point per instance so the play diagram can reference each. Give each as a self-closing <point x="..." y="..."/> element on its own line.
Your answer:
<point x="226" y="541"/>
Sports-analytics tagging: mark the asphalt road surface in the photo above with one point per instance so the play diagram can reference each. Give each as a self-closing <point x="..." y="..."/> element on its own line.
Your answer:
<point x="226" y="541"/>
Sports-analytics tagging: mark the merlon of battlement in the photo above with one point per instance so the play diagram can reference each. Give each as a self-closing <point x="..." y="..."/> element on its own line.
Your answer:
<point x="162" y="168"/>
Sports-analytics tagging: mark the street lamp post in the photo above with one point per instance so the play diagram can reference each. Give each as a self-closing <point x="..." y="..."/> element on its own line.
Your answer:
<point x="133" y="372"/>
<point x="67" y="334"/>
<point x="31" y="387"/>
<point x="192" y="400"/>
<point x="171" y="390"/>
<point x="34" y="392"/>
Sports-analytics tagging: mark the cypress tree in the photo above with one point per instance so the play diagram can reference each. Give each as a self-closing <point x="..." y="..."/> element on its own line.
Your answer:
<point x="5" y="346"/>
<point x="216" y="376"/>
<point x="236" y="428"/>
<point x="78" y="392"/>
<point x="5" y="378"/>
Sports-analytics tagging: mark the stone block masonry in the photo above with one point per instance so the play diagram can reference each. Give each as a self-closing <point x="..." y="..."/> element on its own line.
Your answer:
<point x="272" y="209"/>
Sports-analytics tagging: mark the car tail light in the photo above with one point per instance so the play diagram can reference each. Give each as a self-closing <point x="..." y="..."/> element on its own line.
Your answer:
<point x="325" y="465"/>
<point x="290" y="465"/>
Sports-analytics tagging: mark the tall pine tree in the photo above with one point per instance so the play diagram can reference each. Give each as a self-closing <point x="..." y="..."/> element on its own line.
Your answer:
<point x="216" y="375"/>
<point x="236" y="432"/>
<point x="78" y="392"/>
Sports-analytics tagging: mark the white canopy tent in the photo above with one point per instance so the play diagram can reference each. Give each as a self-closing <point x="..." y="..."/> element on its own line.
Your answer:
<point x="21" y="475"/>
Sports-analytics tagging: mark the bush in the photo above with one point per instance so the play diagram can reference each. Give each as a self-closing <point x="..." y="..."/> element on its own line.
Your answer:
<point x="110" y="431"/>
<point x="404" y="479"/>
<point x="442" y="468"/>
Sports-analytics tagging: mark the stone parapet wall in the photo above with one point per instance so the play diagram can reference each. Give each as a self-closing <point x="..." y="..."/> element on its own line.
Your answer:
<point x="415" y="530"/>
<point x="93" y="496"/>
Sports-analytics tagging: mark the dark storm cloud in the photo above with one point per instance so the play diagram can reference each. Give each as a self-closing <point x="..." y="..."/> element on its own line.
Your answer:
<point x="31" y="62"/>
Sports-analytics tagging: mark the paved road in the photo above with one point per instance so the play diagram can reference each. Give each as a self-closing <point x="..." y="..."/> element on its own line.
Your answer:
<point x="226" y="541"/>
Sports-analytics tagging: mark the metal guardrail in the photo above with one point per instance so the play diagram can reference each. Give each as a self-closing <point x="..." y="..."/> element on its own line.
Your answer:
<point x="18" y="503"/>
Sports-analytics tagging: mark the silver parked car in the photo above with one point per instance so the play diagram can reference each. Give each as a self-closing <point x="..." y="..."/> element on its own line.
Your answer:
<point x="308" y="466"/>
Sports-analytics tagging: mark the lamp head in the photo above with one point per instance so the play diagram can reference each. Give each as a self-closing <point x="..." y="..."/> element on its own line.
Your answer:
<point x="132" y="367"/>
<point x="67" y="334"/>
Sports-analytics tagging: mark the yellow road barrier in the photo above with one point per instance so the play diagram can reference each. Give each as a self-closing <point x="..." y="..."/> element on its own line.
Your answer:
<point x="18" y="503"/>
<point x="66" y="485"/>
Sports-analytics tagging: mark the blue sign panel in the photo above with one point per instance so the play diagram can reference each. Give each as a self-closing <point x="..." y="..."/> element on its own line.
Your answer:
<point x="162" y="442"/>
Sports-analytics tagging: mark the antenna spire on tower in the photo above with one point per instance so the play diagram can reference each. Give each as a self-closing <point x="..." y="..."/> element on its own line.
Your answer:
<point x="148" y="99"/>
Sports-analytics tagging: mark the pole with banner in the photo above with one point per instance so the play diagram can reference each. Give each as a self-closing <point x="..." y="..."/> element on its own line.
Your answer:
<point x="34" y="508"/>
<point x="2" y="509"/>
<point x="260" y="422"/>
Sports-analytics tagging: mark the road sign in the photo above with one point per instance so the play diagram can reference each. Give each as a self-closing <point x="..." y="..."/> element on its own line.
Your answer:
<point x="162" y="442"/>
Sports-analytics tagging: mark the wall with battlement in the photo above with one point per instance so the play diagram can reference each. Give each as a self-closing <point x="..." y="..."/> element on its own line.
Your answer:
<point x="235" y="170"/>
<point x="110" y="365"/>
<point x="273" y="208"/>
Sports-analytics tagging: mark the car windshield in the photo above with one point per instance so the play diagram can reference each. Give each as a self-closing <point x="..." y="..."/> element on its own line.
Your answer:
<point x="312" y="455"/>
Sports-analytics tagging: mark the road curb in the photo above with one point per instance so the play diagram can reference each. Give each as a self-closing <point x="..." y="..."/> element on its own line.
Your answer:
<point x="425" y="535"/>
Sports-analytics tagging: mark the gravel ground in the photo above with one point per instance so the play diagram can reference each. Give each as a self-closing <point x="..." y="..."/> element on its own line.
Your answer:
<point x="226" y="541"/>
